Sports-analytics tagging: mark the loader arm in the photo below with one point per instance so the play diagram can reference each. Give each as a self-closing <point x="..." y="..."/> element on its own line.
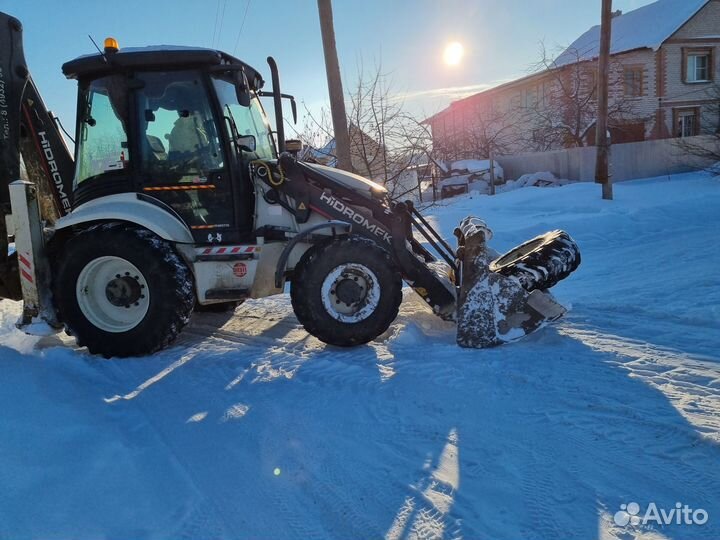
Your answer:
<point x="29" y="130"/>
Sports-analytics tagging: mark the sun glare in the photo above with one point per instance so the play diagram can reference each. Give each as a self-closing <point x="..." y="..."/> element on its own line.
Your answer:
<point x="453" y="53"/>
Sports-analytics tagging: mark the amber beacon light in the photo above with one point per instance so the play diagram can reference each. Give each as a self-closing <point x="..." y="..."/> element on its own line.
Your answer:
<point x="111" y="45"/>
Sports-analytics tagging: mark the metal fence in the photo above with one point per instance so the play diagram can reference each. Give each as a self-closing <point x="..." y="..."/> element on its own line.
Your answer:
<point x="627" y="161"/>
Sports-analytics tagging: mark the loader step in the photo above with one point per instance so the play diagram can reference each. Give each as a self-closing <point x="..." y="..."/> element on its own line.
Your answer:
<point x="227" y="294"/>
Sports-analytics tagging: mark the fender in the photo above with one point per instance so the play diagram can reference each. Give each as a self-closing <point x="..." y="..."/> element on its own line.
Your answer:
<point x="140" y="209"/>
<point x="282" y="260"/>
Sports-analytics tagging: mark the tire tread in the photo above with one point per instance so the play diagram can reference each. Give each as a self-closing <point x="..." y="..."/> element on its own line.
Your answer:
<point x="555" y="258"/>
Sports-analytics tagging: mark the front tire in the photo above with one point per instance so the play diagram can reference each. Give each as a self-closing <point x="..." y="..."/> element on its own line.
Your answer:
<point x="122" y="291"/>
<point x="346" y="292"/>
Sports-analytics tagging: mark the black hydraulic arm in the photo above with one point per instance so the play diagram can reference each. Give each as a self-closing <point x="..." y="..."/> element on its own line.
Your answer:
<point x="27" y="129"/>
<point x="13" y="79"/>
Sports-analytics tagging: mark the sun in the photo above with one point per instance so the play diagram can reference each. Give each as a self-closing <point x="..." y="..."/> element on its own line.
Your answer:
<point x="453" y="53"/>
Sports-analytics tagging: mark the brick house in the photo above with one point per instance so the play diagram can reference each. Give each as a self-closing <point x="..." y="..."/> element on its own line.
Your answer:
<point x="664" y="83"/>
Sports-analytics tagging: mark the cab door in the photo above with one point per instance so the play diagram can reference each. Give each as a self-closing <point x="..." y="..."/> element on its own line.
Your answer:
<point x="243" y="123"/>
<point x="182" y="159"/>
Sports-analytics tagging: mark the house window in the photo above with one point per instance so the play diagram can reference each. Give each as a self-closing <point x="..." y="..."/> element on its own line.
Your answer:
<point x="697" y="65"/>
<point x="687" y="122"/>
<point x="531" y="97"/>
<point x="633" y="78"/>
<point x="592" y="82"/>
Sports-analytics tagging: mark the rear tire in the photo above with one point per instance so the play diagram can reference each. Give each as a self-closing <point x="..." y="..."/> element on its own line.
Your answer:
<point x="542" y="262"/>
<point x="346" y="292"/>
<point x="122" y="291"/>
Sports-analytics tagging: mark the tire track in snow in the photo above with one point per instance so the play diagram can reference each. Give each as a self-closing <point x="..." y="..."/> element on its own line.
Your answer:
<point x="659" y="367"/>
<point x="207" y="520"/>
<point x="689" y="381"/>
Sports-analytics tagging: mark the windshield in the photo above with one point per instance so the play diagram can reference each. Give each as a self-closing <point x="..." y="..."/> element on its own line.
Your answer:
<point x="248" y="120"/>
<point x="103" y="144"/>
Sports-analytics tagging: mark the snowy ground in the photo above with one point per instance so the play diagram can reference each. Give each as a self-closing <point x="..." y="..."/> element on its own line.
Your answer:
<point x="248" y="428"/>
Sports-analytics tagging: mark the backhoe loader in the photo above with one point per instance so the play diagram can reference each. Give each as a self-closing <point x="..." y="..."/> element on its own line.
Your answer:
<point x="179" y="194"/>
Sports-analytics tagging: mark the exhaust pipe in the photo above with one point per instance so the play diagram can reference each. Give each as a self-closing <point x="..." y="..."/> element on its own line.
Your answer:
<point x="277" y="101"/>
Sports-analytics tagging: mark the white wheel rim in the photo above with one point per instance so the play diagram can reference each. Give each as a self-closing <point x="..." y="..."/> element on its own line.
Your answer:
<point x="350" y="293"/>
<point x="112" y="294"/>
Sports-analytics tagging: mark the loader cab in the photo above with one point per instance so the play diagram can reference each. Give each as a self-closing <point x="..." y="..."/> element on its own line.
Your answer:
<point x="176" y="125"/>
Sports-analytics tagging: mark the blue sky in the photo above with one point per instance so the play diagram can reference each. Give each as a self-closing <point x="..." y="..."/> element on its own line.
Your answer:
<point x="500" y="37"/>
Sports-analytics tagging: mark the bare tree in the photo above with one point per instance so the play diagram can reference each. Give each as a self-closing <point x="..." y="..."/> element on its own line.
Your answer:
<point x="386" y="142"/>
<point x="488" y="129"/>
<point x="563" y="111"/>
<point x="317" y="132"/>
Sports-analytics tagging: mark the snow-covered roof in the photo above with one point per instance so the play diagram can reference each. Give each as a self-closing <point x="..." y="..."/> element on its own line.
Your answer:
<point x="644" y="28"/>
<point x="326" y="154"/>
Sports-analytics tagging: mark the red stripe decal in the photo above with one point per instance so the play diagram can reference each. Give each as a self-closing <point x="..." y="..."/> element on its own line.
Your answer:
<point x="235" y="250"/>
<point x="221" y="251"/>
<point x="24" y="261"/>
<point x="248" y="249"/>
<point x="26" y="275"/>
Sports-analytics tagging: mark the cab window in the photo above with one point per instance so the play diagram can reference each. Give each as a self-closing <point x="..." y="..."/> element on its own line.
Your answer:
<point x="179" y="141"/>
<point x="103" y="142"/>
<point x="248" y="120"/>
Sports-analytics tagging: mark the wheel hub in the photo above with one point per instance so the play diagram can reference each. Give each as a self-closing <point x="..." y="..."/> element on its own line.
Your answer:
<point x="123" y="291"/>
<point x="350" y="293"/>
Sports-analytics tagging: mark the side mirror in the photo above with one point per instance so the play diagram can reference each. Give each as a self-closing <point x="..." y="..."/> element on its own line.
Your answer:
<point x="242" y="88"/>
<point x="247" y="143"/>
<point x="293" y="106"/>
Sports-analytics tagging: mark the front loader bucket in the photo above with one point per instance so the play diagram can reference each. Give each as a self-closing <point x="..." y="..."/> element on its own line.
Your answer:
<point x="493" y="309"/>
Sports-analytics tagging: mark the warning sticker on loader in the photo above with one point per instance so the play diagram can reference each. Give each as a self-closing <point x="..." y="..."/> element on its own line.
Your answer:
<point x="240" y="269"/>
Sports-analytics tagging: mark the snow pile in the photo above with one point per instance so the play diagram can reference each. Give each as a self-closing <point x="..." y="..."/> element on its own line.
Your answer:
<point x="539" y="179"/>
<point x="472" y="169"/>
<point x="457" y="185"/>
<point x="714" y="169"/>
<point x="247" y="427"/>
<point x="467" y="176"/>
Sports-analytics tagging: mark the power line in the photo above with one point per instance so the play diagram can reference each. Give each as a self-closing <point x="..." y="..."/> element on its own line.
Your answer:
<point x="242" y="25"/>
<point x="217" y="13"/>
<point x="222" y="18"/>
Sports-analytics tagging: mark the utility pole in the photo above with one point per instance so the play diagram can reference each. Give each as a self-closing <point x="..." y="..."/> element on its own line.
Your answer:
<point x="335" y="89"/>
<point x="602" y="165"/>
<point x="492" y="174"/>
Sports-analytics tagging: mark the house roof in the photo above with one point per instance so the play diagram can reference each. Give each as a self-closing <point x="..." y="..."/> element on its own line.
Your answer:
<point x="644" y="28"/>
<point x="326" y="153"/>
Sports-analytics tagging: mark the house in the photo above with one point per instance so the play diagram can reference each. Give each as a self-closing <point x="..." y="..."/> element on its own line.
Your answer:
<point x="366" y="154"/>
<point x="663" y="83"/>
